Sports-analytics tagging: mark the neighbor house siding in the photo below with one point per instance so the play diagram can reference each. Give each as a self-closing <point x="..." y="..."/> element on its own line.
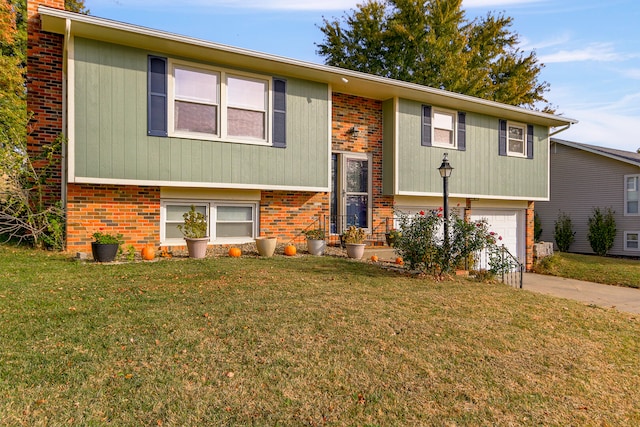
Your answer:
<point x="479" y="170"/>
<point x="111" y="139"/>
<point x="580" y="182"/>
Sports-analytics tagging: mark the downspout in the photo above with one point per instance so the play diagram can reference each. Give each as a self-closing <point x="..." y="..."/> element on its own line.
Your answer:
<point x="65" y="58"/>
<point x="562" y="129"/>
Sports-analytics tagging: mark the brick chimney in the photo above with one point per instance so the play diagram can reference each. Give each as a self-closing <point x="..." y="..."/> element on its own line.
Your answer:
<point x="44" y="92"/>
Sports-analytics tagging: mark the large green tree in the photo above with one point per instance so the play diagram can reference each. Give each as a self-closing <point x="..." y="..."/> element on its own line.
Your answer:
<point x="430" y="42"/>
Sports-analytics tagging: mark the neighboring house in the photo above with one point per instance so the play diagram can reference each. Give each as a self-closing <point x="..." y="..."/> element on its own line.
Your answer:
<point x="584" y="177"/>
<point x="262" y="144"/>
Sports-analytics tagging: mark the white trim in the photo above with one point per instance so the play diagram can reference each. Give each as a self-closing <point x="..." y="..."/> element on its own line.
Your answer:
<point x="472" y="196"/>
<point x="625" y="241"/>
<point x="396" y="148"/>
<point x="158" y="183"/>
<point x="71" y="111"/>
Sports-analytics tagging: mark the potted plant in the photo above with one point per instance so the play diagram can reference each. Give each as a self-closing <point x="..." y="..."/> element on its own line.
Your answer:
<point x="266" y="246"/>
<point x="353" y="238"/>
<point x="194" y="230"/>
<point x="392" y="237"/>
<point x="105" y="246"/>
<point x="315" y="241"/>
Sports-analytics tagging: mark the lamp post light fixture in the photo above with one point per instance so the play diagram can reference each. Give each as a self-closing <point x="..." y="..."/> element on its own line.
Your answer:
<point x="445" y="170"/>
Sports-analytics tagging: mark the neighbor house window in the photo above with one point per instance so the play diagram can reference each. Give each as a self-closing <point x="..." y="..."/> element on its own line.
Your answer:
<point x="631" y="194"/>
<point x="631" y="241"/>
<point x="228" y="222"/>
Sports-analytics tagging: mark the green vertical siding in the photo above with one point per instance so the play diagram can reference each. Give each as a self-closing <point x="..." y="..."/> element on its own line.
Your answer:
<point x="111" y="142"/>
<point x="477" y="171"/>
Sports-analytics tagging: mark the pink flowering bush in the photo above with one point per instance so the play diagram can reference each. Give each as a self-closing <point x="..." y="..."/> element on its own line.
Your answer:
<point x="422" y="246"/>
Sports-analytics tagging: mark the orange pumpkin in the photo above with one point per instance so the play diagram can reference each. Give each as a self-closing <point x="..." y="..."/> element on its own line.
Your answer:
<point x="290" y="250"/>
<point x="374" y="258"/>
<point x="148" y="253"/>
<point x="235" y="252"/>
<point x="399" y="261"/>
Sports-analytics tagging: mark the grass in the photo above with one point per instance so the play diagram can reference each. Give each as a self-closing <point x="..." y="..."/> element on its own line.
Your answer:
<point x="592" y="268"/>
<point x="300" y="341"/>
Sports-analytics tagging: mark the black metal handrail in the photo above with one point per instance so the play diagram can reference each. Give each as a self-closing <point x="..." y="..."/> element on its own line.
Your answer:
<point x="502" y="263"/>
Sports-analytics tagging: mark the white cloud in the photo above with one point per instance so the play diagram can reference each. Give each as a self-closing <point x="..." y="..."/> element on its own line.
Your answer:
<point x="601" y="52"/>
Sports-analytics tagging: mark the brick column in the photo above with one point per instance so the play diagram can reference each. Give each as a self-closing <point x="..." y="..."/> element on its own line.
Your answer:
<point x="44" y="94"/>
<point x="529" y="234"/>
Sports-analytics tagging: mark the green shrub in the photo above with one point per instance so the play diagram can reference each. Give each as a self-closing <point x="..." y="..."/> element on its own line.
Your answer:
<point x="602" y="231"/>
<point x="564" y="233"/>
<point x="421" y="244"/>
<point x="537" y="227"/>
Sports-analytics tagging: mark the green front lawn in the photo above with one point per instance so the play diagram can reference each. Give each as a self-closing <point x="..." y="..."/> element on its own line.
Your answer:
<point x="592" y="268"/>
<point x="300" y="341"/>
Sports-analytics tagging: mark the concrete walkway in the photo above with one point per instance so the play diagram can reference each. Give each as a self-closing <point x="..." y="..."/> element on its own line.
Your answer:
<point x="607" y="296"/>
<point x="622" y="299"/>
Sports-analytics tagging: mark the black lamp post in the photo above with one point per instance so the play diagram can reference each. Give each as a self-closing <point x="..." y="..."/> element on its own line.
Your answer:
<point x="445" y="170"/>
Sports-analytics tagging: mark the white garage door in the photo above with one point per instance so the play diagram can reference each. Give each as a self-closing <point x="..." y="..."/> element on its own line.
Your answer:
<point x="506" y="223"/>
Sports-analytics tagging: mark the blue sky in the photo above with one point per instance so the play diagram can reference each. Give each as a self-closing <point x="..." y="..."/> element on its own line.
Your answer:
<point x="589" y="47"/>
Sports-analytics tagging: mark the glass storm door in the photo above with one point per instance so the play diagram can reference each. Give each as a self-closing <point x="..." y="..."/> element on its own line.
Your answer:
<point x="350" y="201"/>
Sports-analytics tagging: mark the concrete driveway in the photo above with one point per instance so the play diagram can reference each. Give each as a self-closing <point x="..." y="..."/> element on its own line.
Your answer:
<point x="622" y="299"/>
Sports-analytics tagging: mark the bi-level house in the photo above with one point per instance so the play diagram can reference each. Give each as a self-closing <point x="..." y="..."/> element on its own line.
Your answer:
<point x="156" y="122"/>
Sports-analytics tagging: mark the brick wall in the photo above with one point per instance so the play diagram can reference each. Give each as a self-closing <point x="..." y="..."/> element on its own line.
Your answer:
<point x="130" y="210"/>
<point x="366" y="115"/>
<point x="44" y="93"/>
<point x="288" y="214"/>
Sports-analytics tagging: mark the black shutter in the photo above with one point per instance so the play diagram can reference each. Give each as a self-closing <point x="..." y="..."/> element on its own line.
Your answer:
<point x="462" y="131"/>
<point x="279" y="113"/>
<point x="529" y="141"/>
<point x="502" y="138"/>
<point x="157" y="96"/>
<point x="425" y="137"/>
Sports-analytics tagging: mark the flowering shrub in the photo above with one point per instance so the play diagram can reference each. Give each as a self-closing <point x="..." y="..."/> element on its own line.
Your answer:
<point x="422" y="246"/>
<point x="106" y="238"/>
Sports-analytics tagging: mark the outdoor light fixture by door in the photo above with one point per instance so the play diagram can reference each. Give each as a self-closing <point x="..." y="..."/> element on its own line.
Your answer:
<point x="445" y="170"/>
<point x="353" y="131"/>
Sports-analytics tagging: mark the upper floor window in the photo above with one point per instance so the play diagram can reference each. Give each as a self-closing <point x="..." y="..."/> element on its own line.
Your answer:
<point x="444" y="129"/>
<point x="515" y="139"/>
<point x="210" y="103"/>
<point x="631" y="194"/>
<point x="196" y="101"/>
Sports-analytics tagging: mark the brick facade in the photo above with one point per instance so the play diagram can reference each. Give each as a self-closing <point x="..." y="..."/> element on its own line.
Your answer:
<point x="288" y="214"/>
<point x="45" y="94"/>
<point x="366" y="115"/>
<point x="130" y="210"/>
